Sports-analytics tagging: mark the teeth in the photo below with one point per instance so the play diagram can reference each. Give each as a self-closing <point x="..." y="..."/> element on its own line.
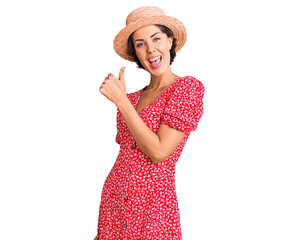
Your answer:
<point x="154" y="59"/>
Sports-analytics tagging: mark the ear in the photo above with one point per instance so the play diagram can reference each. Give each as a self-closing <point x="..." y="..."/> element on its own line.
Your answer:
<point x="170" y="42"/>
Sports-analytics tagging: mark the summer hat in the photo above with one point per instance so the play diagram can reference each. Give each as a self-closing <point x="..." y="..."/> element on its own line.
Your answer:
<point x="145" y="16"/>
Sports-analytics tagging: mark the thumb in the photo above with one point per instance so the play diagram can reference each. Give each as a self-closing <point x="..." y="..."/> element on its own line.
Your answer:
<point x="122" y="77"/>
<point x="122" y="73"/>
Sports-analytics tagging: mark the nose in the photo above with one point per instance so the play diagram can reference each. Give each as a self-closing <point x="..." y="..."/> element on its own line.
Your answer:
<point x="150" y="48"/>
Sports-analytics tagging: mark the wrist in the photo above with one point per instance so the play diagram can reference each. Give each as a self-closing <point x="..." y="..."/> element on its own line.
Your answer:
<point x="122" y="101"/>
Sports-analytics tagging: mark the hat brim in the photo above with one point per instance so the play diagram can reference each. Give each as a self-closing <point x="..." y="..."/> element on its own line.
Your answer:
<point x="120" y="42"/>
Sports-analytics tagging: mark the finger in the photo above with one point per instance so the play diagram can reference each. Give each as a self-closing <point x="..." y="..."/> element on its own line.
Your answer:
<point x="122" y="77"/>
<point x="122" y="73"/>
<point x="110" y="75"/>
<point x="104" y="89"/>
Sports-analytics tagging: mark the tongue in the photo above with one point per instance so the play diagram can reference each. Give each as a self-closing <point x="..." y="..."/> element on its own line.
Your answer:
<point x="155" y="62"/>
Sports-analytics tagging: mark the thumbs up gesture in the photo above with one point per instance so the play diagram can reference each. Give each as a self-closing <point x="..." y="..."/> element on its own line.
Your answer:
<point x="114" y="89"/>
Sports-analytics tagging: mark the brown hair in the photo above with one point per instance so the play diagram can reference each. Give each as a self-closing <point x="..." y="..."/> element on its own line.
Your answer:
<point x="164" y="29"/>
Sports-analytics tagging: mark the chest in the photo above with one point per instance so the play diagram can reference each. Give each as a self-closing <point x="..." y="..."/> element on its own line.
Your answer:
<point x="146" y="98"/>
<point x="149" y="110"/>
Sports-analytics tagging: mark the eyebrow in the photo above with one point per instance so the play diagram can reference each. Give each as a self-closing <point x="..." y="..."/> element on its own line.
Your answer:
<point x="150" y="37"/>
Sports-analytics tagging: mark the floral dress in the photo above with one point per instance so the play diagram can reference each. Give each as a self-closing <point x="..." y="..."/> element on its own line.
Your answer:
<point x="138" y="200"/>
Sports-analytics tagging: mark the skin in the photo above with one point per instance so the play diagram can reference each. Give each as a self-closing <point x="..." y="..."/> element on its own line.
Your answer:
<point x="149" y="41"/>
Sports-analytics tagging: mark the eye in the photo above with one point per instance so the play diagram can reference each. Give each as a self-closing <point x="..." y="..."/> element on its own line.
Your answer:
<point x="139" y="45"/>
<point x="156" y="39"/>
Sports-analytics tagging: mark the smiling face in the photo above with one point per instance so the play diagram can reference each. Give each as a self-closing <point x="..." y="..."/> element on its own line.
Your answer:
<point x="152" y="49"/>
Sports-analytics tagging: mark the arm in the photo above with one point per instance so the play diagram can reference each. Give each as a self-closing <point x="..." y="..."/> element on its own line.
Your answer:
<point x="156" y="146"/>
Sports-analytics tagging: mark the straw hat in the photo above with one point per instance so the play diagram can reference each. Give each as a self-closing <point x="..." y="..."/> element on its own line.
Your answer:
<point x="145" y="16"/>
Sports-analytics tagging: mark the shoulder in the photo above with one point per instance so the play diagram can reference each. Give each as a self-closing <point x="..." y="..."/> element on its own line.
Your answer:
<point x="190" y="81"/>
<point x="189" y="84"/>
<point x="133" y="95"/>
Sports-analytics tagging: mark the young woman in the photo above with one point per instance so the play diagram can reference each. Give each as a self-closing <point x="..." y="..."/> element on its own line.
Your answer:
<point x="139" y="198"/>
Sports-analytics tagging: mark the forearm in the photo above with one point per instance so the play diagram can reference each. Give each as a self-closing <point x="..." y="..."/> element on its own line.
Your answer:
<point x="145" y="138"/>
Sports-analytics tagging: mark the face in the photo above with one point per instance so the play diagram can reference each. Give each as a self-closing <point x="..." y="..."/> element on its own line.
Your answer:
<point x="152" y="48"/>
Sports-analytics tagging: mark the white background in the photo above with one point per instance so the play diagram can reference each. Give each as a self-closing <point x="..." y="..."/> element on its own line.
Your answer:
<point x="235" y="176"/>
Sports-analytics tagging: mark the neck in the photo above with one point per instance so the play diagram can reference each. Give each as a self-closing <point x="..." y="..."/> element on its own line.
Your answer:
<point x="162" y="81"/>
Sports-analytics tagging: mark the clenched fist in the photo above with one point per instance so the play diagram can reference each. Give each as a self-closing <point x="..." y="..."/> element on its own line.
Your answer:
<point x="114" y="89"/>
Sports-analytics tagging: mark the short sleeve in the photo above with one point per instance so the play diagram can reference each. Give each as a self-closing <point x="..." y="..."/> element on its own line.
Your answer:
<point x="184" y="108"/>
<point x="117" y="137"/>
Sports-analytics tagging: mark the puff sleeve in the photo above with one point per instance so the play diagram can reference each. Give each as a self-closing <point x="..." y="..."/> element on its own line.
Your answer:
<point x="184" y="108"/>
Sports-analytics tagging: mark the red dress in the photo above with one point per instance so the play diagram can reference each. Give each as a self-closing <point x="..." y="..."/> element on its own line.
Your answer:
<point x="138" y="200"/>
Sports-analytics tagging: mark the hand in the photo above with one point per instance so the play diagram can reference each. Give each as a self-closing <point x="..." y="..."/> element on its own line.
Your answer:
<point x="114" y="89"/>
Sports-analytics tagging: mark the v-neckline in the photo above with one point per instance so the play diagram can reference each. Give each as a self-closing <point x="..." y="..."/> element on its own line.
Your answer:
<point x="140" y="92"/>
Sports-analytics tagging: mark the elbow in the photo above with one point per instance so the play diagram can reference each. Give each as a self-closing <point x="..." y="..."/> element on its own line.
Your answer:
<point x="158" y="157"/>
<point x="159" y="153"/>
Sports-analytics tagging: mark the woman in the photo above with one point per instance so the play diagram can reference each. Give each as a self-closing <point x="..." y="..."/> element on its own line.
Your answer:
<point x="139" y="198"/>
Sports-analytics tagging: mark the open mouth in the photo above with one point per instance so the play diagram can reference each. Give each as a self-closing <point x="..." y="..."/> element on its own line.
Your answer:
<point x="155" y="62"/>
